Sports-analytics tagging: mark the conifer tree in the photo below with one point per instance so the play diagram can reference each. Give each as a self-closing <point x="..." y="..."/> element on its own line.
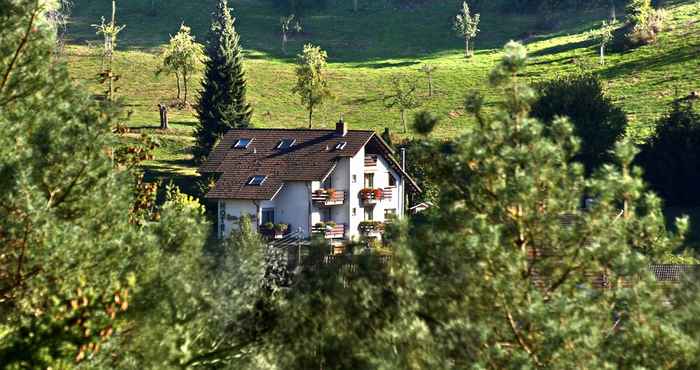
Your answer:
<point x="506" y="262"/>
<point x="222" y="104"/>
<point x="70" y="253"/>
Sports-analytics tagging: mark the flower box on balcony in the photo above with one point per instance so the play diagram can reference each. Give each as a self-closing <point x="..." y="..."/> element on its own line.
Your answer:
<point x="329" y="230"/>
<point x="274" y="231"/>
<point x="371" y="196"/>
<point x="371" y="228"/>
<point x="328" y="197"/>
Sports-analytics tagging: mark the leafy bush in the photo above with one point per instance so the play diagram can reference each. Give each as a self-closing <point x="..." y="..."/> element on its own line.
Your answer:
<point x="597" y="121"/>
<point x="671" y="160"/>
<point x="644" y="23"/>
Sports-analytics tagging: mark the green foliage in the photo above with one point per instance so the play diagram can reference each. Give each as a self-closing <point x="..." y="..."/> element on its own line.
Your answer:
<point x="466" y="26"/>
<point x="223" y="104"/>
<point x="670" y="158"/>
<point x="402" y="97"/>
<point x="597" y="121"/>
<point x="504" y="188"/>
<point x="71" y="253"/>
<point x="312" y="82"/>
<point x="182" y="56"/>
<point x="644" y="23"/>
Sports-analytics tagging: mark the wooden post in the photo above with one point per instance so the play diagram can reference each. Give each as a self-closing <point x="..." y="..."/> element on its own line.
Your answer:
<point x="163" y="109"/>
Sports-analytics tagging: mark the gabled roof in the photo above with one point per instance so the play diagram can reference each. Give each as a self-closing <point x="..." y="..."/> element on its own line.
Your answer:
<point x="311" y="158"/>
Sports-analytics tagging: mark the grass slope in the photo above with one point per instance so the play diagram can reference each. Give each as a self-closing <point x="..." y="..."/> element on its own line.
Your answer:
<point x="365" y="50"/>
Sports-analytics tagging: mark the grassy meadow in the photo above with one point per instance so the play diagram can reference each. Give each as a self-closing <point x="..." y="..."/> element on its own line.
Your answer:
<point x="365" y="49"/>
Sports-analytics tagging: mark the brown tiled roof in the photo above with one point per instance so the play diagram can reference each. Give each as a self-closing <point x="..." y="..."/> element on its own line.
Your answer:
<point x="311" y="158"/>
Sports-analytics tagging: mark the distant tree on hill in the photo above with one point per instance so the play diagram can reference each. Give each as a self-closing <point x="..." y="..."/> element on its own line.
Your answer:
<point x="222" y="102"/>
<point x="181" y="57"/>
<point x="466" y="26"/>
<point x="644" y="23"/>
<point x="109" y="31"/>
<point x="428" y="70"/>
<point x="671" y="158"/>
<point x="286" y="27"/>
<point x="402" y="97"/>
<point x="312" y="82"/>
<point x="603" y="36"/>
<point x="596" y="120"/>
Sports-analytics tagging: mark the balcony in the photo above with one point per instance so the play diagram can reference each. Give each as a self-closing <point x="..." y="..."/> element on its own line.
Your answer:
<point x="370" y="161"/>
<point x="273" y="231"/>
<point x="329" y="230"/>
<point x="371" y="229"/>
<point x="328" y="197"/>
<point x="370" y="197"/>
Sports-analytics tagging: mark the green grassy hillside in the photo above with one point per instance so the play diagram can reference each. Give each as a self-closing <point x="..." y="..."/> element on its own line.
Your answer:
<point x="366" y="48"/>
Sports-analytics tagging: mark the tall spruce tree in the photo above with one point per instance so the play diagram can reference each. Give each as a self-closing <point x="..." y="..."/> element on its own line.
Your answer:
<point x="222" y="104"/>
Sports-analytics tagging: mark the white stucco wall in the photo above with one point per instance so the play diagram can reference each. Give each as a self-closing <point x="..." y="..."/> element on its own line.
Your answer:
<point x="292" y="206"/>
<point x="357" y="182"/>
<point x="381" y="180"/>
<point x="234" y="208"/>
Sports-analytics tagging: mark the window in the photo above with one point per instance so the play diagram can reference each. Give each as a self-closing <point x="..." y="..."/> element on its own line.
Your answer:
<point x="369" y="180"/>
<point x="242" y="143"/>
<point x="257" y="180"/>
<point x="268" y="215"/>
<point x="369" y="214"/>
<point x="392" y="179"/>
<point x="286" y="143"/>
<point x="389" y="213"/>
<point x="341" y="146"/>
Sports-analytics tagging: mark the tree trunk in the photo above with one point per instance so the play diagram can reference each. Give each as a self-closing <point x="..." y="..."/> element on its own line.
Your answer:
<point x="403" y="120"/>
<point x="163" y="109"/>
<point x="177" y="78"/>
<point x="602" y="54"/>
<point x="354" y="5"/>
<point x="466" y="47"/>
<point x="284" y="43"/>
<point x="430" y="85"/>
<point x="311" y="113"/>
<point x="613" y="15"/>
<point x="184" y="82"/>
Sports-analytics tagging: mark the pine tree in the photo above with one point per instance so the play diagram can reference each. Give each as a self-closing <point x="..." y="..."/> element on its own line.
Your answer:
<point x="505" y="281"/>
<point x="222" y="104"/>
<point x="71" y="257"/>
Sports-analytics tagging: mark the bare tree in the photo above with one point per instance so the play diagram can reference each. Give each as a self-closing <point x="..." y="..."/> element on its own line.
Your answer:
<point x="109" y="31"/>
<point x="428" y="70"/>
<point x="287" y="27"/>
<point x="466" y="26"/>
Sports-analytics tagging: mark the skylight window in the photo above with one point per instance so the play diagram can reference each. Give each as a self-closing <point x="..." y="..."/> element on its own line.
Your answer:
<point x="257" y="180"/>
<point x="286" y="143"/>
<point x="242" y="143"/>
<point x="341" y="146"/>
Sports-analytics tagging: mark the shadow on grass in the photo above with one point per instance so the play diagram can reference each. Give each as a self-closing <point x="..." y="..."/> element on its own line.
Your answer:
<point x="380" y="65"/>
<point x="165" y="175"/>
<point x="561" y="48"/>
<point x="658" y="60"/>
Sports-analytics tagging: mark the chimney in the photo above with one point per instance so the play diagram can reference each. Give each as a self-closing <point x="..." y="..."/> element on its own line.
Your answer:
<point x="341" y="128"/>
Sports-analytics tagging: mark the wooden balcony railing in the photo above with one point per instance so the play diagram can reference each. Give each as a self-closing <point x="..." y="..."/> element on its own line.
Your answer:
<point x="370" y="161"/>
<point x="329" y="231"/>
<point x="328" y="197"/>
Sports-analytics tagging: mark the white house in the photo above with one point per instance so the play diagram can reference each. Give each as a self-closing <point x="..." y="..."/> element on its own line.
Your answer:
<point x="342" y="184"/>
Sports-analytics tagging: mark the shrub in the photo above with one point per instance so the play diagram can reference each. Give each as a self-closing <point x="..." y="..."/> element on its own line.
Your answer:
<point x="597" y="121"/>
<point x="671" y="160"/>
<point x="644" y="23"/>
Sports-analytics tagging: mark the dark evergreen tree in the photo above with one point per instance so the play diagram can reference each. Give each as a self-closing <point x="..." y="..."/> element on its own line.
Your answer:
<point x="222" y="104"/>
<point x="597" y="121"/>
<point x="671" y="159"/>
